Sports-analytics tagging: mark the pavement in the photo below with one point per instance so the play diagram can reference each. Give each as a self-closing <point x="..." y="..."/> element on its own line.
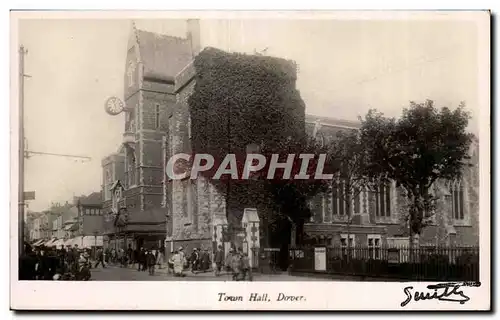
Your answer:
<point x="117" y="273"/>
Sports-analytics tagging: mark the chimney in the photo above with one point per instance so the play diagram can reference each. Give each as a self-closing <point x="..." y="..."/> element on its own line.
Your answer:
<point x="193" y="35"/>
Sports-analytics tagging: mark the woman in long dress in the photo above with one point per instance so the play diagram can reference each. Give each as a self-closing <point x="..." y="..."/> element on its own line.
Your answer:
<point x="178" y="264"/>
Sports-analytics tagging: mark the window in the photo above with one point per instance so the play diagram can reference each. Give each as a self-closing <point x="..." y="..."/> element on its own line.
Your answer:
<point x="343" y="244"/>
<point x="339" y="199"/>
<point x="374" y="244"/>
<point x="383" y="201"/>
<point x="310" y="204"/>
<point x="107" y="184"/>
<point x="457" y="200"/>
<point x="132" y="181"/>
<point x="189" y="126"/>
<point x="130" y="74"/>
<point x="170" y="136"/>
<point x="157" y="116"/>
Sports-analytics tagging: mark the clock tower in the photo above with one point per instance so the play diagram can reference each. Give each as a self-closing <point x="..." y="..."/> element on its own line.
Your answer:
<point x="151" y="64"/>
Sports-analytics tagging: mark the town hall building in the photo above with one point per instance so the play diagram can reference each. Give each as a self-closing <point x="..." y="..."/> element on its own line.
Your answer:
<point x="144" y="208"/>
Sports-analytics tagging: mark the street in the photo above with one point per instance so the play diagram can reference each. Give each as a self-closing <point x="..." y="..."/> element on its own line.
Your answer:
<point x="116" y="273"/>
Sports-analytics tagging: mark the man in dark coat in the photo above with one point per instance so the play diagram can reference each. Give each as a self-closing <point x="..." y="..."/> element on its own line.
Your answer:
<point x="151" y="262"/>
<point x="219" y="260"/>
<point x="130" y="254"/>
<point x="195" y="260"/>
<point x="100" y="258"/>
<point x="27" y="263"/>
<point x="142" y="260"/>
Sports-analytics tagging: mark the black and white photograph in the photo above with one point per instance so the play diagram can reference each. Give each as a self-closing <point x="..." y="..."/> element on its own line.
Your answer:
<point x="220" y="153"/>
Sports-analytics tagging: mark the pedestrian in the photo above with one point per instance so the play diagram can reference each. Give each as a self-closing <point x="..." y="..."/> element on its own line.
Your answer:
<point x="183" y="257"/>
<point x="151" y="262"/>
<point x="170" y="263"/>
<point x="159" y="258"/>
<point x="130" y="254"/>
<point x="229" y="258"/>
<point x="195" y="259"/>
<point x="178" y="262"/>
<point x="236" y="265"/>
<point x="100" y="258"/>
<point x="205" y="261"/>
<point x="142" y="260"/>
<point x="27" y="263"/>
<point x="219" y="260"/>
<point x="245" y="267"/>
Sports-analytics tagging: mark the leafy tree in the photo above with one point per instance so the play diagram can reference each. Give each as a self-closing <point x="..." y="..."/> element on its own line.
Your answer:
<point x="424" y="145"/>
<point x="349" y="158"/>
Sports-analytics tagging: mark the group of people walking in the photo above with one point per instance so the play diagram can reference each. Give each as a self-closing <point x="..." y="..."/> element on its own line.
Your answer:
<point x="73" y="263"/>
<point x="235" y="262"/>
<point x="145" y="259"/>
<point x="47" y="263"/>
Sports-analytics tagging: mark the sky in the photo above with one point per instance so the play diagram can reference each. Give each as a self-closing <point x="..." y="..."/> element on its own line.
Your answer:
<point x="346" y="67"/>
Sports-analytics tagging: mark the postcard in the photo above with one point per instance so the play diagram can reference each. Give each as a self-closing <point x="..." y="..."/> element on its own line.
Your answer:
<point x="250" y="160"/>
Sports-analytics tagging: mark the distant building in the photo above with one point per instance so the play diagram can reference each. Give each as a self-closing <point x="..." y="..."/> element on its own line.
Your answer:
<point x="90" y="220"/>
<point x="377" y="218"/>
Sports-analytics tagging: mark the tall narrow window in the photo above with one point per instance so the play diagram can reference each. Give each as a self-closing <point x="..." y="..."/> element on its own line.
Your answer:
<point x="383" y="201"/>
<point x="157" y="116"/>
<point x="170" y="136"/>
<point x="189" y="126"/>
<point x="130" y="74"/>
<point x="357" y="200"/>
<point x="457" y="199"/>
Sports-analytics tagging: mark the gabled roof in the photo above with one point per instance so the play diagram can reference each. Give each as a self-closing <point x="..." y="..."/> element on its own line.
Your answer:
<point x="95" y="198"/>
<point x="163" y="56"/>
<point x="116" y="184"/>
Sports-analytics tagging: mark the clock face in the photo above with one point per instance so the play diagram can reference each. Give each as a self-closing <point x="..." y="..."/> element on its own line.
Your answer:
<point x="113" y="106"/>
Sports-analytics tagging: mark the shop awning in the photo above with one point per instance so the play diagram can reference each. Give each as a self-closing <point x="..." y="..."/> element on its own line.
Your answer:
<point x="38" y="243"/>
<point x="58" y="243"/>
<point x="50" y="242"/>
<point x="68" y="242"/>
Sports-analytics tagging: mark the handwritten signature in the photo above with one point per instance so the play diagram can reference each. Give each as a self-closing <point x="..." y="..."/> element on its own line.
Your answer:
<point x="441" y="291"/>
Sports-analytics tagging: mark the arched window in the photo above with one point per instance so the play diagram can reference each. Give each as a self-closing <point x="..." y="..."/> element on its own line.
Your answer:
<point x="130" y="74"/>
<point x="457" y="200"/>
<point x="132" y="177"/>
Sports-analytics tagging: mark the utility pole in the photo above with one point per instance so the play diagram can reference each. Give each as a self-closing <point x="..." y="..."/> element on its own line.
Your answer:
<point x="22" y="53"/>
<point x="24" y="153"/>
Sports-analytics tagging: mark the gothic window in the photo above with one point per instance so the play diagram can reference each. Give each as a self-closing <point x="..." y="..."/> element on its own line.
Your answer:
<point x="170" y="136"/>
<point x="130" y="74"/>
<point x="457" y="200"/>
<point x="189" y="191"/>
<point x="339" y="199"/>
<point x="383" y="200"/>
<point x="157" y="116"/>
<point x="132" y="177"/>
<point x="107" y="184"/>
